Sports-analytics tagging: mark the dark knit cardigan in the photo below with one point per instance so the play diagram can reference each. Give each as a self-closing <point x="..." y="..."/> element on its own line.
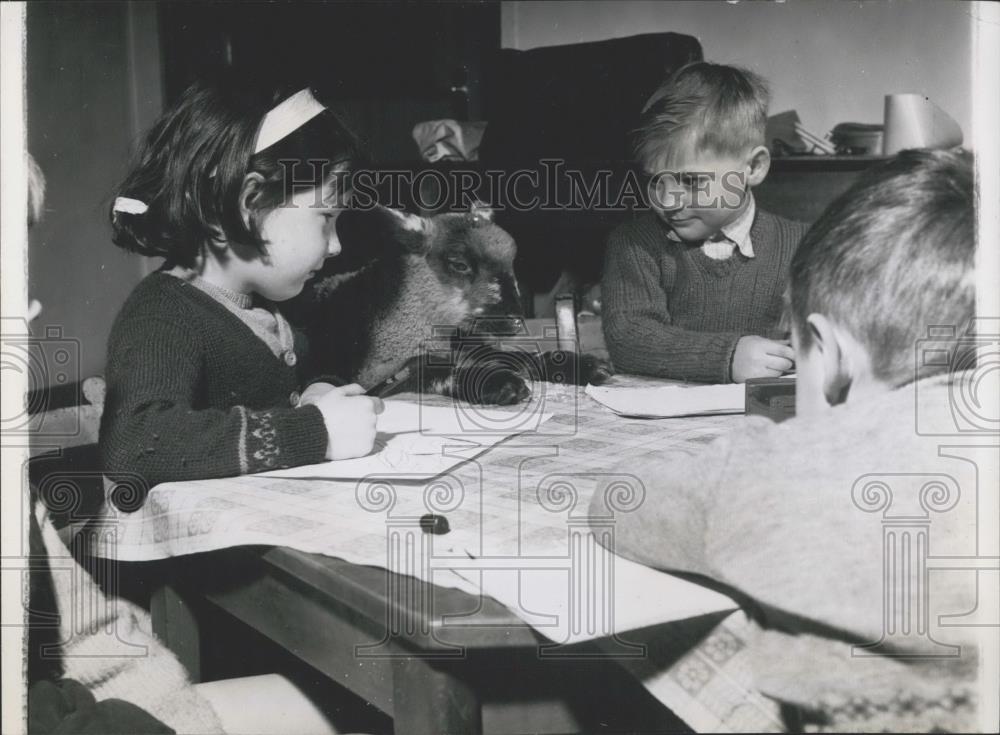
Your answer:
<point x="671" y="311"/>
<point x="193" y="393"/>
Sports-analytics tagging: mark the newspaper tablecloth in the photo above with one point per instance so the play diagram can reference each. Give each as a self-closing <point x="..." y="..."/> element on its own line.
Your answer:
<point x="501" y="509"/>
<point x="514" y="501"/>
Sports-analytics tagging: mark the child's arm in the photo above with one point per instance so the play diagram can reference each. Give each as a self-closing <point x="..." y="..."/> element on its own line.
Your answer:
<point x="668" y="529"/>
<point x="150" y="426"/>
<point x="639" y="330"/>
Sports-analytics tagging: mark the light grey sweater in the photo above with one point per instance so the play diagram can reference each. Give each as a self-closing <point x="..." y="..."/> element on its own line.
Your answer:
<point x="789" y="515"/>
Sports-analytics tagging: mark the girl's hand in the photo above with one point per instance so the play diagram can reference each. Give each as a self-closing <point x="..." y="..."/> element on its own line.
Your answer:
<point x="314" y="392"/>
<point x="350" y="418"/>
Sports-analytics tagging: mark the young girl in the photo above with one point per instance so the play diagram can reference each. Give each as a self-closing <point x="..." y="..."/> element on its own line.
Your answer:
<point x="241" y="200"/>
<point x="82" y="669"/>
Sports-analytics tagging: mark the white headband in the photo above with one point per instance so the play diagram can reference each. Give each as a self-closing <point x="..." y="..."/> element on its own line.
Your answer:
<point x="287" y="117"/>
<point x="129" y="206"/>
<point x="283" y="120"/>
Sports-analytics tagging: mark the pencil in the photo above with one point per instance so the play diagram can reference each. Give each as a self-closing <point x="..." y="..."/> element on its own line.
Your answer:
<point x="379" y="388"/>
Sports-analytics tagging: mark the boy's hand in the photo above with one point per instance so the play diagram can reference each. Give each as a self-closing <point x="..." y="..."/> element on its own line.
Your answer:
<point x="350" y="418"/>
<point x="758" y="357"/>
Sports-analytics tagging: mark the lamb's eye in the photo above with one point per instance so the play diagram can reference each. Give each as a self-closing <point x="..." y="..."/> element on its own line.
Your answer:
<point x="459" y="266"/>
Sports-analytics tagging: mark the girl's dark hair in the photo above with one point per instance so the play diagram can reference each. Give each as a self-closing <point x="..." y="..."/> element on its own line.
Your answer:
<point x="192" y="163"/>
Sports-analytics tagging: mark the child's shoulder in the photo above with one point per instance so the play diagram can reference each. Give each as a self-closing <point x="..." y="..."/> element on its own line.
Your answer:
<point x="644" y="229"/>
<point x="160" y="297"/>
<point x="838" y="445"/>
<point x="159" y="290"/>
<point x="779" y="225"/>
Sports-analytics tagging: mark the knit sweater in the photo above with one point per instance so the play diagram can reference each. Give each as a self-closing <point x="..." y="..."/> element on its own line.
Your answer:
<point x="671" y="311"/>
<point x="809" y="518"/>
<point x="193" y="393"/>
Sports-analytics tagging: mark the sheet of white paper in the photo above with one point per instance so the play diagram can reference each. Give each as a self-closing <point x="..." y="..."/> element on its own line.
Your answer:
<point x="668" y="401"/>
<point x="419" y="442"/>
<point x="566" y="611"/>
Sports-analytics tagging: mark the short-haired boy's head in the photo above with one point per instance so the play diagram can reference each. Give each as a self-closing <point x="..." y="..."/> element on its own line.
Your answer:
<point x="891" y="257"/>
<point x="703" y="107"/>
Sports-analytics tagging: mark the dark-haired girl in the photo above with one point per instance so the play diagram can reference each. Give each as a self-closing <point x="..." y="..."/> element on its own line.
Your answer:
<point x="241" y="200"/>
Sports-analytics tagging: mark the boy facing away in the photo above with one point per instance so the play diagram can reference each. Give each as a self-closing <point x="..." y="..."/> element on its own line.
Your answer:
<point x="694" y="288"/>
<point x="826" y="521"/>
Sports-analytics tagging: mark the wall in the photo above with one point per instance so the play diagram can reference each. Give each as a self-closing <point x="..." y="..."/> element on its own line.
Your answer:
<point x="93" y="83"/>
<point x="831" y="61"/>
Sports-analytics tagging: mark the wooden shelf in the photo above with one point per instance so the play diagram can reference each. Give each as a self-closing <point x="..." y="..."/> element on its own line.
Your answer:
<point x="825" y="163"/>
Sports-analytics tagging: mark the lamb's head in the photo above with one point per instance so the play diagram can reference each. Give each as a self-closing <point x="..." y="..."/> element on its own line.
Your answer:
<point x="403" y="279"/>
<point x="468" y="268"/>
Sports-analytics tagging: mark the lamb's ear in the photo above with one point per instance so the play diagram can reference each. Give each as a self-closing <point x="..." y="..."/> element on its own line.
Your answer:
<point x="481" y="213"/>
<point x="411" y="231"/>
<point x="376" y="233"/>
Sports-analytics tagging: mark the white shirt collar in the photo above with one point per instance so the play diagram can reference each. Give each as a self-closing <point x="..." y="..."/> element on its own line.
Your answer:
<point x="737" y="232"/>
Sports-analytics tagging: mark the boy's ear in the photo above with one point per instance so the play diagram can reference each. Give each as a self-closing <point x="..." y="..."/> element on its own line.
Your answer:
<point x="760" y="165"/>
<point x="834" y="358"/>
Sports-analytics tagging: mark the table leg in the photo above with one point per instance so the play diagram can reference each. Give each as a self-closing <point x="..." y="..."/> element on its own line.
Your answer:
<point x="175" y="623"/>
<point x="432" y="697"/>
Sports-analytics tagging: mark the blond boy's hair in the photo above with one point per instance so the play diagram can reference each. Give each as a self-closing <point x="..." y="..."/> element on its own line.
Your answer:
<point x="892" y="258"/>
<point x="703" y="107"/>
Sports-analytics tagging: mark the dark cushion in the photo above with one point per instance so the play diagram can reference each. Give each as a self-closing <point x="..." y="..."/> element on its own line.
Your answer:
<point x="576" y="102"/>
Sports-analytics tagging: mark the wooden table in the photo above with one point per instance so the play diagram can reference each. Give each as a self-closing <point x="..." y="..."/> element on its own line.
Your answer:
<point x="392" y="640"/>
<point x="332" y="615"/>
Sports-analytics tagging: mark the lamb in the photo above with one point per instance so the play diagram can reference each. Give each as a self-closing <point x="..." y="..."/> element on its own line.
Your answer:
<point x="436" y="295"/>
